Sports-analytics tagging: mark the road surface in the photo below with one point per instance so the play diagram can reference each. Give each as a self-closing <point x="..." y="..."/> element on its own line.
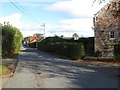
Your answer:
<point x="37" y="69"/>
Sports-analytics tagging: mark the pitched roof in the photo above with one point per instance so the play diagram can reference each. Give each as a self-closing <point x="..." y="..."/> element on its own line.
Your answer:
<point x="75" y="35"/>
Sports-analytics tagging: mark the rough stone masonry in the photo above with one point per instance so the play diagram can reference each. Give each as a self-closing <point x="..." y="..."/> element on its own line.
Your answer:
<point x="107" y="28"/>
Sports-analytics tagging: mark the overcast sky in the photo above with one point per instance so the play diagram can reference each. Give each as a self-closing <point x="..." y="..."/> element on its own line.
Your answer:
<point x="62" y="17"/>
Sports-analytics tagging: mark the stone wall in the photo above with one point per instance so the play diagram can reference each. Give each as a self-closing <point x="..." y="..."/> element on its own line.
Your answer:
<point x="106" y="20"/>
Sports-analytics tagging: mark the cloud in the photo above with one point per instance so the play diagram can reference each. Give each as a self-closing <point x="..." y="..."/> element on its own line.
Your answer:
<point x="26" y="29"/>
<point x="66" y="27"/>
<point x="69" y="26"/>
<point x="12" y="19"/>
<point x="31" y="4"/>
<point x="75" y="8"/>
<point x="32" y="0"/>
<point x="81" y="22"/>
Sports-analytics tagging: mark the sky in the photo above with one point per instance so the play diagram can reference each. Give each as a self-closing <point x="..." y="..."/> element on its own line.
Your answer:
<point x="61" y="17"/>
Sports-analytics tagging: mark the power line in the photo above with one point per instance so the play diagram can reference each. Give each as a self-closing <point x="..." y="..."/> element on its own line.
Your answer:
<point x="24" y="11"/>
<point x="16" y="6"/>
<point x="27" y="12"/>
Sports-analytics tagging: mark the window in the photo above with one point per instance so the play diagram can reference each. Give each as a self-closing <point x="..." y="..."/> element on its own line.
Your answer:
<point x="76" y="38"/>
<point x="111" y="35"/>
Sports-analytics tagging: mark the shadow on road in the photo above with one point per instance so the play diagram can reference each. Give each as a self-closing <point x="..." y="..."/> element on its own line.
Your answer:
<point x="84" y="74"/>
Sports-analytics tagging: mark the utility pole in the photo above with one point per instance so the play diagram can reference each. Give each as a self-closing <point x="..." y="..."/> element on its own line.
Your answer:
<point x="43" y="29"/>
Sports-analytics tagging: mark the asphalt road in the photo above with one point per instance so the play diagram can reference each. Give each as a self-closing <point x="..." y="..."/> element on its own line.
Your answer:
<point x="37" y="69"/>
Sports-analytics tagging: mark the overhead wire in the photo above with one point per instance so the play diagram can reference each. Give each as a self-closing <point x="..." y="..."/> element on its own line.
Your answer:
<point x="27" y="12"/>
<point x="24" y="11"/>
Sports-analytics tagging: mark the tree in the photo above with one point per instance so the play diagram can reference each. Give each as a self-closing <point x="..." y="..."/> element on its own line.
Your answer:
<point x="99" y="1"/>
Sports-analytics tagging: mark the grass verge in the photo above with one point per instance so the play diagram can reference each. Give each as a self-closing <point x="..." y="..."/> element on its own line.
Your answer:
<point x="3" y="69"/>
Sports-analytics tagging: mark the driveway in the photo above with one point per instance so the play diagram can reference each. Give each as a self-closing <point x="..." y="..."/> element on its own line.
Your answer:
<point x="37" y="69"/>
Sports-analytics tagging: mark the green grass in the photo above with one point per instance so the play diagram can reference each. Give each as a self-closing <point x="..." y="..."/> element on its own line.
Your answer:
<point x="2" y="69"/>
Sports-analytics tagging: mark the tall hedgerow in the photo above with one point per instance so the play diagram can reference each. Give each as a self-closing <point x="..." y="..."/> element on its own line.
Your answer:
<point x="68" y="49"/>
<point x="88" y="44"/>
<point x="117" y="52"/>
<point x="11" y="41"/>
<point x="0" y="40"/>
<point x="32" y="44"/>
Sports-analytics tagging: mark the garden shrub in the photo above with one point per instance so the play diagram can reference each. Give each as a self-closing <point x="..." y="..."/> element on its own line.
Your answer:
<point x="117" y="52"/>
<point x="11" y="41"/>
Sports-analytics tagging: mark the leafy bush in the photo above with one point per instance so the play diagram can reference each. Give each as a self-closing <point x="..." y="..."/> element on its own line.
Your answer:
<point x="11" y="41"/>
<point x="71" y="50"/>
<point x="117" y="52"/>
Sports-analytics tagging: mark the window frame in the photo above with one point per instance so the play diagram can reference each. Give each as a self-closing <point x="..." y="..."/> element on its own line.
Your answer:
<point x="111" y="35"/>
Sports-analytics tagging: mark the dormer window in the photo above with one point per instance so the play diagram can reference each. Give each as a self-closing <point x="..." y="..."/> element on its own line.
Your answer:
<point x="111" y="35"/>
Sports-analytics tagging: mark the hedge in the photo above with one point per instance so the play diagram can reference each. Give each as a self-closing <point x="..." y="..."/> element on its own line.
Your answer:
<point x="117" y="52"/>
<point x="71" y="50"/>
<point x="88" y="44"/>
<point x="32" y="45"/>
<point x="11" y="41"/>
<point x="0" y="47"/>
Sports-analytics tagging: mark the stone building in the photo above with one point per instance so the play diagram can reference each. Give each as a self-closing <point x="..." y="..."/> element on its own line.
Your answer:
<point x="107" y="28"/>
